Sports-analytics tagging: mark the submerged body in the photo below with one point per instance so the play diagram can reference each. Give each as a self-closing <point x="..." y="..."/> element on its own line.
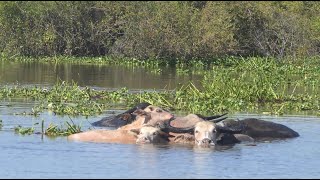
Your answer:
<point x="261" y="129"/>
<point x="103" y="136"/>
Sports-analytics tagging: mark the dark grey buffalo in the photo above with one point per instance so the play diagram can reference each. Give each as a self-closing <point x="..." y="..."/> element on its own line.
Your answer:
<point x="261" y="129"/>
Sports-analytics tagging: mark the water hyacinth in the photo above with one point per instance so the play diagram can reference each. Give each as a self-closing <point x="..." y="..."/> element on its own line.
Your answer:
<point x="54" y="130"/>
<point x="24" y="130"/>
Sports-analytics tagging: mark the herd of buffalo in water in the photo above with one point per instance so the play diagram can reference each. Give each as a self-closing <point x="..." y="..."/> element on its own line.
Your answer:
<point x="146" y="123"/>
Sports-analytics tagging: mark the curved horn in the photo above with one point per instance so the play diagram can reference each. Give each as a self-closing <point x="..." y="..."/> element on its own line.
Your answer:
<point x="211" y="117"/>
<point x="166" y="127"/>
<point x="217" y="120"/>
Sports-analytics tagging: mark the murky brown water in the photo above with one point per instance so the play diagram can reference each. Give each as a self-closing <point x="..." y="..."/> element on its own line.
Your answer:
<point x="30" y="156"/>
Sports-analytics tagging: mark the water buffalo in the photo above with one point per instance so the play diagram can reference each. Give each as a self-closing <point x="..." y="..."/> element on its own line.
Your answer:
<point x="154" y="135"/>
<point x="127" y="133"/>
<point x="207" y="133"/>
<point x="170" y="129"/>
<point x="122" y="119"/>
<point x="155" y="130"/>
<point x="191" y="119"/>
<point x="204" y="133"/>
<point x="151" y="115"/>
<point x="106" y="136"/>
<point x="261" y="129"/>
<point x="129" y="116"/>
<point x="149" y="134"/>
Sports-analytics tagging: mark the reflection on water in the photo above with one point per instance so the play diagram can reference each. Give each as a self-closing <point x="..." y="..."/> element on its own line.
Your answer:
<point x="99" y="76"/>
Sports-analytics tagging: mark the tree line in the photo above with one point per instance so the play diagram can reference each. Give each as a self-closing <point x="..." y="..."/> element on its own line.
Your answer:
<point x="160" y="30"/>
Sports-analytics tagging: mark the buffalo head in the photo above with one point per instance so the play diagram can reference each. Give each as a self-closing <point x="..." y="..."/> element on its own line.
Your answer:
<point x="206" y="133"/>
<point x="149" y="135"/>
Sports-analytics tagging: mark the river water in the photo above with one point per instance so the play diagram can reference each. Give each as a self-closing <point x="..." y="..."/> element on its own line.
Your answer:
<point x="36" y="156"/>
<point x="96" y="76"/>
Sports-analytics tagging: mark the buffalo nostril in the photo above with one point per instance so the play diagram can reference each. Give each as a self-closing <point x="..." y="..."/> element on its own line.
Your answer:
<point x="145" y="138"/>
<point x="206" y="141"/>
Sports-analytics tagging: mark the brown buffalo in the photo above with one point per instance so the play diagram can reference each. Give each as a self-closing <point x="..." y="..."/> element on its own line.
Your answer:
<point x="155" y="135"/>
<point x="191" y="119"/>
<point x="106" y="136"/>
<point x="150" y="115"/>
<point x="149" y="134"/>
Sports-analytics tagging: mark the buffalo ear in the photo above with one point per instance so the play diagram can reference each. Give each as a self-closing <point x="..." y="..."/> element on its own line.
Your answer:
<point x="139" y="112"/>
<point x="135" y="131"/>
<point x="151" y="108"/>
<point x="146" y="119"/>
<point x="126" y="116"/>
<point x="164" y="134"/>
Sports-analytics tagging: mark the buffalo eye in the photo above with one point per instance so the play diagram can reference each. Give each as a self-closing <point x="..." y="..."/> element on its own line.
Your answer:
<point x="197" y="131"/>
<point x="159" y="110"/>
<point x="155" y="133"/>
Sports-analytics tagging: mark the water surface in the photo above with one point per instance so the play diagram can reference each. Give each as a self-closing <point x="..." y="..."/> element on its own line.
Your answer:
<point x="96" y="76"/>
<point x="30" y="156"/>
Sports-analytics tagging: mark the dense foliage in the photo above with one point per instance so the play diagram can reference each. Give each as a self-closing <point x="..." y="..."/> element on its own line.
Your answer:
<point x="161" y="30"/>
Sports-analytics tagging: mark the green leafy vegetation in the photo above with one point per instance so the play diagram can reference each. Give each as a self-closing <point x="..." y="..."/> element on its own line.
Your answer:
<point x="52" y="131"/>
<point x="24" y="130"/>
